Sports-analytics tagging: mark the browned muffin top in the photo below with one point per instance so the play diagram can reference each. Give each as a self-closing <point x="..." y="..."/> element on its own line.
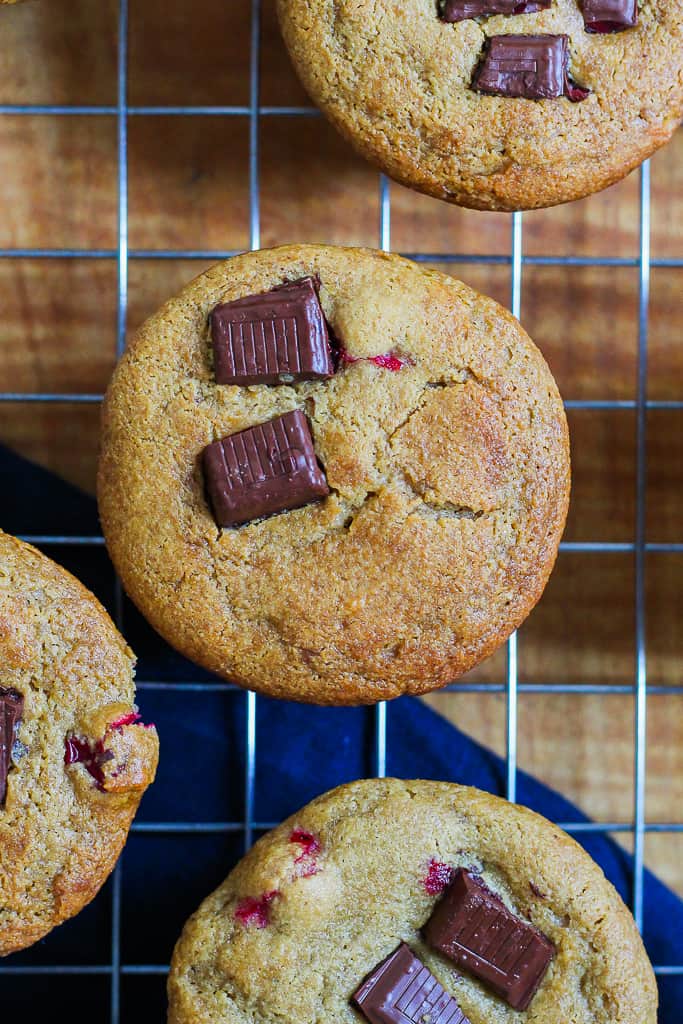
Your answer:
<point x="318" y="903"/>
<point x="76" y="759"/>
<point x="443" y="444"/>
<point x="419" y="96"/>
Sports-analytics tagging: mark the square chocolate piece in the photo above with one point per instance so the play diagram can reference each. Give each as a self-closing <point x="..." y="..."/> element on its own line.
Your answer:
<point x="11" y="710"/>
<point x="275" y="338"/>
<point x="473" y="927"/>
<point x="401" y="990"/>
<point x="461" y="10"/>
<point x="532" y="67"/>
<point x="609" y="15"/>
<point x="265" y="469"/>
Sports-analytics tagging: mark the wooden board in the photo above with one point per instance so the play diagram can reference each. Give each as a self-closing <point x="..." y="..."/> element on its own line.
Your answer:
<point x="189" y="188"/>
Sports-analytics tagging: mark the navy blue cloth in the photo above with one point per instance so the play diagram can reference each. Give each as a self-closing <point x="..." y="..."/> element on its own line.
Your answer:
<point x="301" y="752"/>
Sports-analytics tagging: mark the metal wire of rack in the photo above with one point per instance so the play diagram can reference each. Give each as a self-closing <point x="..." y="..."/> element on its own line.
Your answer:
<point x="517" y="260"/>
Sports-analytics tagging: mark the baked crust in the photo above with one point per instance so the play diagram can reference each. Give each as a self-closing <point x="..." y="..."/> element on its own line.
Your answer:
<point x="337" y="914"/>
<point x="60" y="835"/>
<point x="449" y="485"/>
<point x="395" y="80"/>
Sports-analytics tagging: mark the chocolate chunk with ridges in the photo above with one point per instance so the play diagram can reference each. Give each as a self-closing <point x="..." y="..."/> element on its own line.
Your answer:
<point x="461" y="10"/>
<point x="11" y="710"/>
<point x="401" y="990"/>
<point x="473" y="927"/>
<point x="609" y="15"/>
<point x="265" y="469"/>
<point x="274" y="338"/>
<point x="531" y="67"/>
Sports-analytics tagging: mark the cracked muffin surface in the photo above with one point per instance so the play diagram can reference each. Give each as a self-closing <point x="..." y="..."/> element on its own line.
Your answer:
<point x="396" y="81"/>
<point x="320" y="901"/>
<point x="448" y="477"/>
<point x="79" y="760"/>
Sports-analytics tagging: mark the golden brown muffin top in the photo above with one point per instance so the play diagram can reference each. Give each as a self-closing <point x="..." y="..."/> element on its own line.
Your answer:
<point x="62" y="827"/>
<point x="449" y="485"/>
<point x="290" y="935"/>
<point x="395" y="80"/>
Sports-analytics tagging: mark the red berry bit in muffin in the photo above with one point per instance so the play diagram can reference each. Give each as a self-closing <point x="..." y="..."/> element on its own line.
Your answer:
<point x="438" y="877"/>
<point x="113" y="745"/>
<point x="133" y="718"/>
<point x="310" y="846"/>
<point x="255" y="912"/>
<point x="11" y="710"/>
<point x="93" y="757"/>
<point x="307" y="841"/>
<point x="388" y="361"/>
<point x="606" y="16"/>
<point x="385" y="360"/>
<point x="574" y="92"/>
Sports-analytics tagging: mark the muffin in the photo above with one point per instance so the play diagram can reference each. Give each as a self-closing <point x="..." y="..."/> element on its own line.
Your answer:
<point x="388" y="900"/>
<point x="333" y="476"/>
<point x="74" y="756"/>
<point x="494" y="104"/>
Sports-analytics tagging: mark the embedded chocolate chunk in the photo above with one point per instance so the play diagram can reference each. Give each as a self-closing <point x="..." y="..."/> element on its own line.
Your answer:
<point x="265" y="469"/>
<point x="532" y="67"/>
<point x="274" y="338"/>
<point x="473" y="927"/>
<point x="401" y="990"/>
<point x="461" y="10"/>
<point x="609" y="15"/>
<point x="11" y="710"/>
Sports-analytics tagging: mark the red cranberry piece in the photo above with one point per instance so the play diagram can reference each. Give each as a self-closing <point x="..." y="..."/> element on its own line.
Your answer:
<point x="310" y="846"/>
<point x="91" y="755"/>
<point x="307" y="841"/>
<point x="574" y="92"/>
<point x="133" y="718"/>
<point x="438" y="877"/>
<point x="256" y="912"/>
<point x="94" y="754"/>
<point x="386" y="360"/>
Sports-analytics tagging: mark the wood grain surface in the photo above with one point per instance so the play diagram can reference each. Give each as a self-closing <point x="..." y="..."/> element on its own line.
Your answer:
<point x="188" y="188"/>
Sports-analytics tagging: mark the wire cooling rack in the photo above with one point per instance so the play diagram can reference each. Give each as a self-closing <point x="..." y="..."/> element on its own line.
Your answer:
<point x="115" y="969"/>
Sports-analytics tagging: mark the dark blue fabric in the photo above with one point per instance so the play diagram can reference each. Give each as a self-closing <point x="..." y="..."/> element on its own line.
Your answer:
<point x="302" y="751"/>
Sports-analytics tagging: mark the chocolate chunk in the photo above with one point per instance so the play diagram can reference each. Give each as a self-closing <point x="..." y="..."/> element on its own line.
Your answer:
<point x="609" y="15"/>
<point x="461" y="10"/>
<point x="11" y="710"/>
<point x="532" y="67"/>
<point x="274" y="338"/>
<point x="265" y="469"/>
<point x="401" y="990"/>
<point x="473" y="927"/>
